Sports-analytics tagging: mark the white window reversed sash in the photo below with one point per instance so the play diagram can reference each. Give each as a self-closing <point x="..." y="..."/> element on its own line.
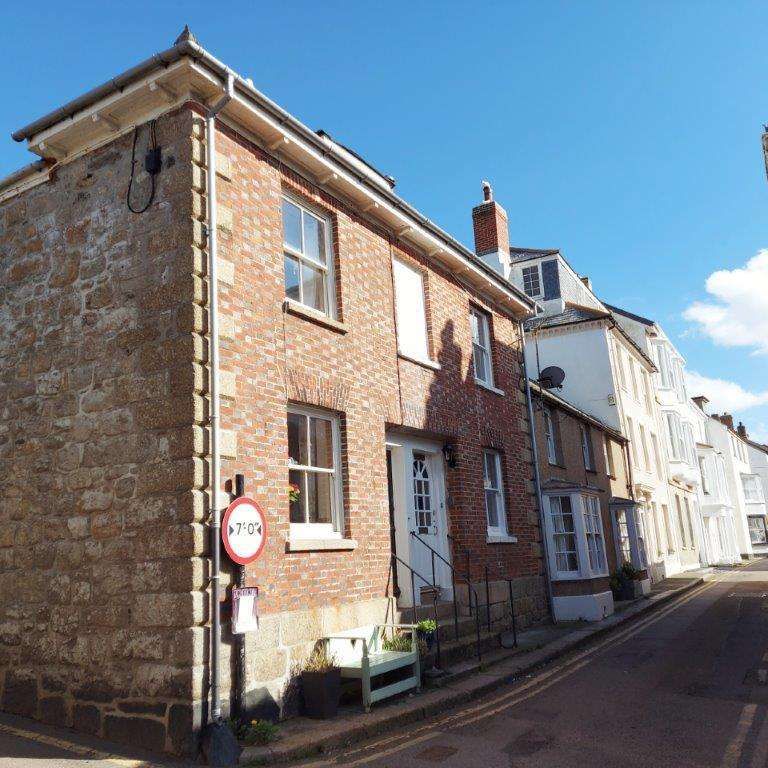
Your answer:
<point x="307" y="258"/>
<point x="481" y="347"/>
<point x="644" y="444"/>
<point x="593" y="530"/>
<point x="493" y="489"/>
<point x="314" y="472"/>
<point x="549" y="432"/>
<point x="586" y="448"/>
<point x="564" y="546"/>
<point x="410" y="311"/>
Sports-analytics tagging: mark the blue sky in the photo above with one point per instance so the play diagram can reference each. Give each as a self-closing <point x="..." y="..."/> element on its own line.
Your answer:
<point x="627" y="134"/>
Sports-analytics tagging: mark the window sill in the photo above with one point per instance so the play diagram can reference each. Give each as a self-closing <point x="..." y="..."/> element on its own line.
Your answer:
<point x="294" y="308"/>
<point x="319" y="545"/>
<point x="489" y="387"/>
<point x="497" y="539"/>
<point x="425" y="363"/>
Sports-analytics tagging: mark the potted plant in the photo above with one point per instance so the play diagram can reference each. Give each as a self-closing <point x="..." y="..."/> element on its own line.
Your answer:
<point x="623" y="582"/>
<point x="321" y="684"/>
<point x="426" y="630"/>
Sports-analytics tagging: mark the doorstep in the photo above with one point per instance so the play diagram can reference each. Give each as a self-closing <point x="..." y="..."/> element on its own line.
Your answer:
<point x="302" y="737"/>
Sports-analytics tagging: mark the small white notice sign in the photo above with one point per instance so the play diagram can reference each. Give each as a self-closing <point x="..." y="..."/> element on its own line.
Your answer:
<point x="245" y="610"/>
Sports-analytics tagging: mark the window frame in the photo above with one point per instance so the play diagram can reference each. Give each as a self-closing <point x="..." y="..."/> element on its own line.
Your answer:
<point x="501" y="530"/>
<point x="536" y="268"/>
<point x="480" y="320"/>
<point x="550" y="437"/>
<point x="751" y="528"/>
<point x="756" y="485"/>
<point x="334" y="529"/>
<point x="610" y="460"/>
<point x="410" y="355"/>
<point x="587" y="449"/>
<point x="331" y="309"/>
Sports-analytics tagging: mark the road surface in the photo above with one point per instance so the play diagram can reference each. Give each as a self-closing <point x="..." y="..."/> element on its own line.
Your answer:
<point x="686" y="686"/>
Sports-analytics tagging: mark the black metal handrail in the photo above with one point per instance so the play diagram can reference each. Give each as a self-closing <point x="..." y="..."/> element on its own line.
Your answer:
<point x="470" y="591"/>
<point x="502" y="577"/>
<point x="414" y="573"/>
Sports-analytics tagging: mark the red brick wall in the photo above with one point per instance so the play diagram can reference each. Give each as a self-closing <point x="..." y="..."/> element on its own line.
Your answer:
<point x="279" y="356"/>
<point x="489" y="221"/>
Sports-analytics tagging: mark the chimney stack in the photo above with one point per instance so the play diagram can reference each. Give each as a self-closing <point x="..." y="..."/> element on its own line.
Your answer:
<point x="701" y="401"/>
<point x="725" y="418"/>
<point x="742" y="430"/>
<point x="489" y="221"/>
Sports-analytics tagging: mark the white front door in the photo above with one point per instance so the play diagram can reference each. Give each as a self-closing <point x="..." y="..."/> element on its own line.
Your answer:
<point x="418" y="486"/>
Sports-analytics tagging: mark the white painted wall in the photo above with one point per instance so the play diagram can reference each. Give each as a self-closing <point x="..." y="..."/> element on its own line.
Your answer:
<point x="582" y="352"/>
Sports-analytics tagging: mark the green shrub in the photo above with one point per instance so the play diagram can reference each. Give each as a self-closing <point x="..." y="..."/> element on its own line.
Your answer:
<point x="426" y="626"/>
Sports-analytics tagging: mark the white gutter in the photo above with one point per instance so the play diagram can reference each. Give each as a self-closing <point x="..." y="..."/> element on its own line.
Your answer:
<point x="213" y="327"/>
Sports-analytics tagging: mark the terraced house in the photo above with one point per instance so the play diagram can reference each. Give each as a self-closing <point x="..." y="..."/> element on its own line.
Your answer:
<point x="363" y="355"/>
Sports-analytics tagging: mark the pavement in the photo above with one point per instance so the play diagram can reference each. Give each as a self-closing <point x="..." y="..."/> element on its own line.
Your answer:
<point x="680" y="679"/>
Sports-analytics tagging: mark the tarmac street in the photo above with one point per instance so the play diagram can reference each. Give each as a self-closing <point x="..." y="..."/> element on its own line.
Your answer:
<point x="684" y="685"/>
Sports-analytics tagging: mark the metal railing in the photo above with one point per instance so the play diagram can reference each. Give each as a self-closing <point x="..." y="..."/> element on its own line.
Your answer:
<point x="470" y="591"/>
<point x="414" y="573"/>
<point x="486" y="574"/>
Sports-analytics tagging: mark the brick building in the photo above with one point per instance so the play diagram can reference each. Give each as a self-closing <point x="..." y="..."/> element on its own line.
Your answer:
<point x="587" y="492"/>
<point x="366" y="357"/>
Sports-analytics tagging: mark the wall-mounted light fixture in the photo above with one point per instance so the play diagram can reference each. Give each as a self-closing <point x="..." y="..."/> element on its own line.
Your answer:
<point x="449" y="453"/>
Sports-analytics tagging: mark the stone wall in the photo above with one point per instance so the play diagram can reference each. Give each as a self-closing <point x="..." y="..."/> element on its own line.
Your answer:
<point x="101" y="613"/>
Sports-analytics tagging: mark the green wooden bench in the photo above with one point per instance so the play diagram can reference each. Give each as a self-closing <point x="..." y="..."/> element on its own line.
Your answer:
<point x="360" y="656"/>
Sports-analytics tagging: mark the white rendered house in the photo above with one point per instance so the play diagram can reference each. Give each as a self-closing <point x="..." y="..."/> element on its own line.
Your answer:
<point x="745" y="486"/>
<point x="718" y="509"/>
<point x="679" y="543"/>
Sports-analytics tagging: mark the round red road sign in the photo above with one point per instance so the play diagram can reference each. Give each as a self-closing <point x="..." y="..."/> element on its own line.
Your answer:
<point x="244" y="530"/>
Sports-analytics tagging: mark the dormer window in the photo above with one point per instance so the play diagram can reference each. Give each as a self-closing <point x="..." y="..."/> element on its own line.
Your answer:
<point x="532" y="281"/>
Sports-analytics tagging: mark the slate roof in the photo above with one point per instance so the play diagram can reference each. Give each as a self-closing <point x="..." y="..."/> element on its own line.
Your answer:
<point x="630" y="315"/>
<point x="523" y="254"/>
<point x="570" y="316"/>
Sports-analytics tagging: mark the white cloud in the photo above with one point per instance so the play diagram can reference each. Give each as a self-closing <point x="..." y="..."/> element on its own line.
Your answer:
<point x="724" y="395"/>
<point x="759" y="433"/>
<point x="738" y="314"/>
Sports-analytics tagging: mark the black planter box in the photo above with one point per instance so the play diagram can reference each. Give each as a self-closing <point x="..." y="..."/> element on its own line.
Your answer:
<point x="321" y="693"/>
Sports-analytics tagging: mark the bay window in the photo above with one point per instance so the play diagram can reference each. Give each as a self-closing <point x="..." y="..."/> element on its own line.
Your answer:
<point x="575" y="530"/>
<point x="314" y="472"/>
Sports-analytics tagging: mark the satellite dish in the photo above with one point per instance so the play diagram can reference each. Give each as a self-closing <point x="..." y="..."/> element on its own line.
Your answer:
<point x="552" y="377"/>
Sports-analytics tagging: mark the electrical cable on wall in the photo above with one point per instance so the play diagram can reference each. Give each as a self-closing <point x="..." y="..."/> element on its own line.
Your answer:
<point x="152" y="165"/>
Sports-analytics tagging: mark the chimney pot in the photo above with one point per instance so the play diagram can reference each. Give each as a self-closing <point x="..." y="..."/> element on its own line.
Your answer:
<point x="487" y="191"/>
<point x="742" y="430"/>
